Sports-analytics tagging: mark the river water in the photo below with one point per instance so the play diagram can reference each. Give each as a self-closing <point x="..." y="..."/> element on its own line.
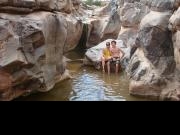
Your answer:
<point x="87" y="84"/>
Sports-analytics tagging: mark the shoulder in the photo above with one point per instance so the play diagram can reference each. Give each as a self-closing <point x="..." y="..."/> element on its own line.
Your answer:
<point x="121" y="50"/>
<point x="104" y="50"/>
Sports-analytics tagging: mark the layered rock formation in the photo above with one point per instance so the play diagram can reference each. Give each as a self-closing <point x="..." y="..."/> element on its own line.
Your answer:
<point x="34" y="34"/>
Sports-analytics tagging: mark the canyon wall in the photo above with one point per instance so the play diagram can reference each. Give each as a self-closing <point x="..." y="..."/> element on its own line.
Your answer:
<point x="150" y="33"/>
<point x="34" y="35"/>
<point x="151" y="30"/>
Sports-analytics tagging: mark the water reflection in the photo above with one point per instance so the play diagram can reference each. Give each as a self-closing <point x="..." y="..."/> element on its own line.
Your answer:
<point x="88" y="85"/>
<point x="91" y="85"/>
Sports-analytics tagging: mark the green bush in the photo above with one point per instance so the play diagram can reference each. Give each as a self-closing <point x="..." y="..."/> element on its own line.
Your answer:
<point x="93" y="2"/>
<point x="97" y="3"/>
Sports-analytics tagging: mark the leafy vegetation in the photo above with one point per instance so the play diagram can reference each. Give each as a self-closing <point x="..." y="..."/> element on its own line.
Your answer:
<point x="93" y="2"/>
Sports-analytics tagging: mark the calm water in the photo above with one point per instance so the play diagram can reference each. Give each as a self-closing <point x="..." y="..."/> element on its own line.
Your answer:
<point x="87" y="85"/>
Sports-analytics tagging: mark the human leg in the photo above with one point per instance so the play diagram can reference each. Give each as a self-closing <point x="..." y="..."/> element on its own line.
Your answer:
<point x="117" y="67"/>
<point x="117" y="64"/>
<point x="108" y="67"/>
<point x="103" y="63"/>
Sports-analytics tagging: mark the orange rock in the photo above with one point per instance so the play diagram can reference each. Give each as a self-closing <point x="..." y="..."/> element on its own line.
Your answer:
<point x="5" y="81"/>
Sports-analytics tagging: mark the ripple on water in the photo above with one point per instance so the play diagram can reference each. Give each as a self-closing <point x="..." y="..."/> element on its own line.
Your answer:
<point x="88" y="85"/>
<point x="91" y="87"/>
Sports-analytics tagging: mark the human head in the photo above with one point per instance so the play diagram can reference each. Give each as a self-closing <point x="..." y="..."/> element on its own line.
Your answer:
<point x="113" y="43"/>
<point x="108" y="44"/>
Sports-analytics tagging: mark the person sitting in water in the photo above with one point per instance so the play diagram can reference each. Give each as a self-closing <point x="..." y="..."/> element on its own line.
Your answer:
<point x="106" y="57"/>
<point x="117" y="54"/>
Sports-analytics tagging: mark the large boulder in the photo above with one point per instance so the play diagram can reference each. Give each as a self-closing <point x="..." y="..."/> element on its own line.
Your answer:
<point x="32" y="48"/>
<point x="5" y="81"/>
<point x="145" y="80"/>
<point x="174" y="26"/>
<point x="154" y="56"/>
<point x="131" y="14"/>
<point x="161" y="5"/>
<point x="128" y="35"/>
<point x="172" y="91"/>
<point x="27" y="6"/>
<point x="74" y="28"/>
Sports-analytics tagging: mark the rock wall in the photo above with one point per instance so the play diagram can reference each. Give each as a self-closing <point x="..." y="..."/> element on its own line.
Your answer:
<point x="174" y="26"/>
<point x="131" y="14"/>
<point x="152" y="59"/>
<point x="28" y="6"/>
<point x="104" y="24"/>
<point x="34" y="35"/>
<point x="150" y="31"/>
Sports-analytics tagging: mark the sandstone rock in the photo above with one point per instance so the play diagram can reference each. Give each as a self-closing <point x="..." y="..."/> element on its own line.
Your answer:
<point x="103" y="25"/>
<point x="161" y="5"/>
<point x="132" y="14"/>
<point x="174" y="26"/>
<point x="32" y="49"/>
<point x="174" y="22"/>
<point x="154" y="56"/>
<point x="128" y="36"/>
<point x="176" y="39"/>
<point x="5" y="81"/>
<point x="74" y="30"/>
<point x="155" y="37"/>
<point x="145" y="79"/>
<point x="172" y="92"/>
<point x="27" y="6"/>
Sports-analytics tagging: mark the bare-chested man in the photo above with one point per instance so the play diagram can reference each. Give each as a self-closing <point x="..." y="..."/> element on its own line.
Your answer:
<point x="117" y="54"/>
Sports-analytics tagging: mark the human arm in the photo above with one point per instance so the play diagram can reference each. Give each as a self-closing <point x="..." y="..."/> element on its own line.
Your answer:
<point x="123" y="54"/>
